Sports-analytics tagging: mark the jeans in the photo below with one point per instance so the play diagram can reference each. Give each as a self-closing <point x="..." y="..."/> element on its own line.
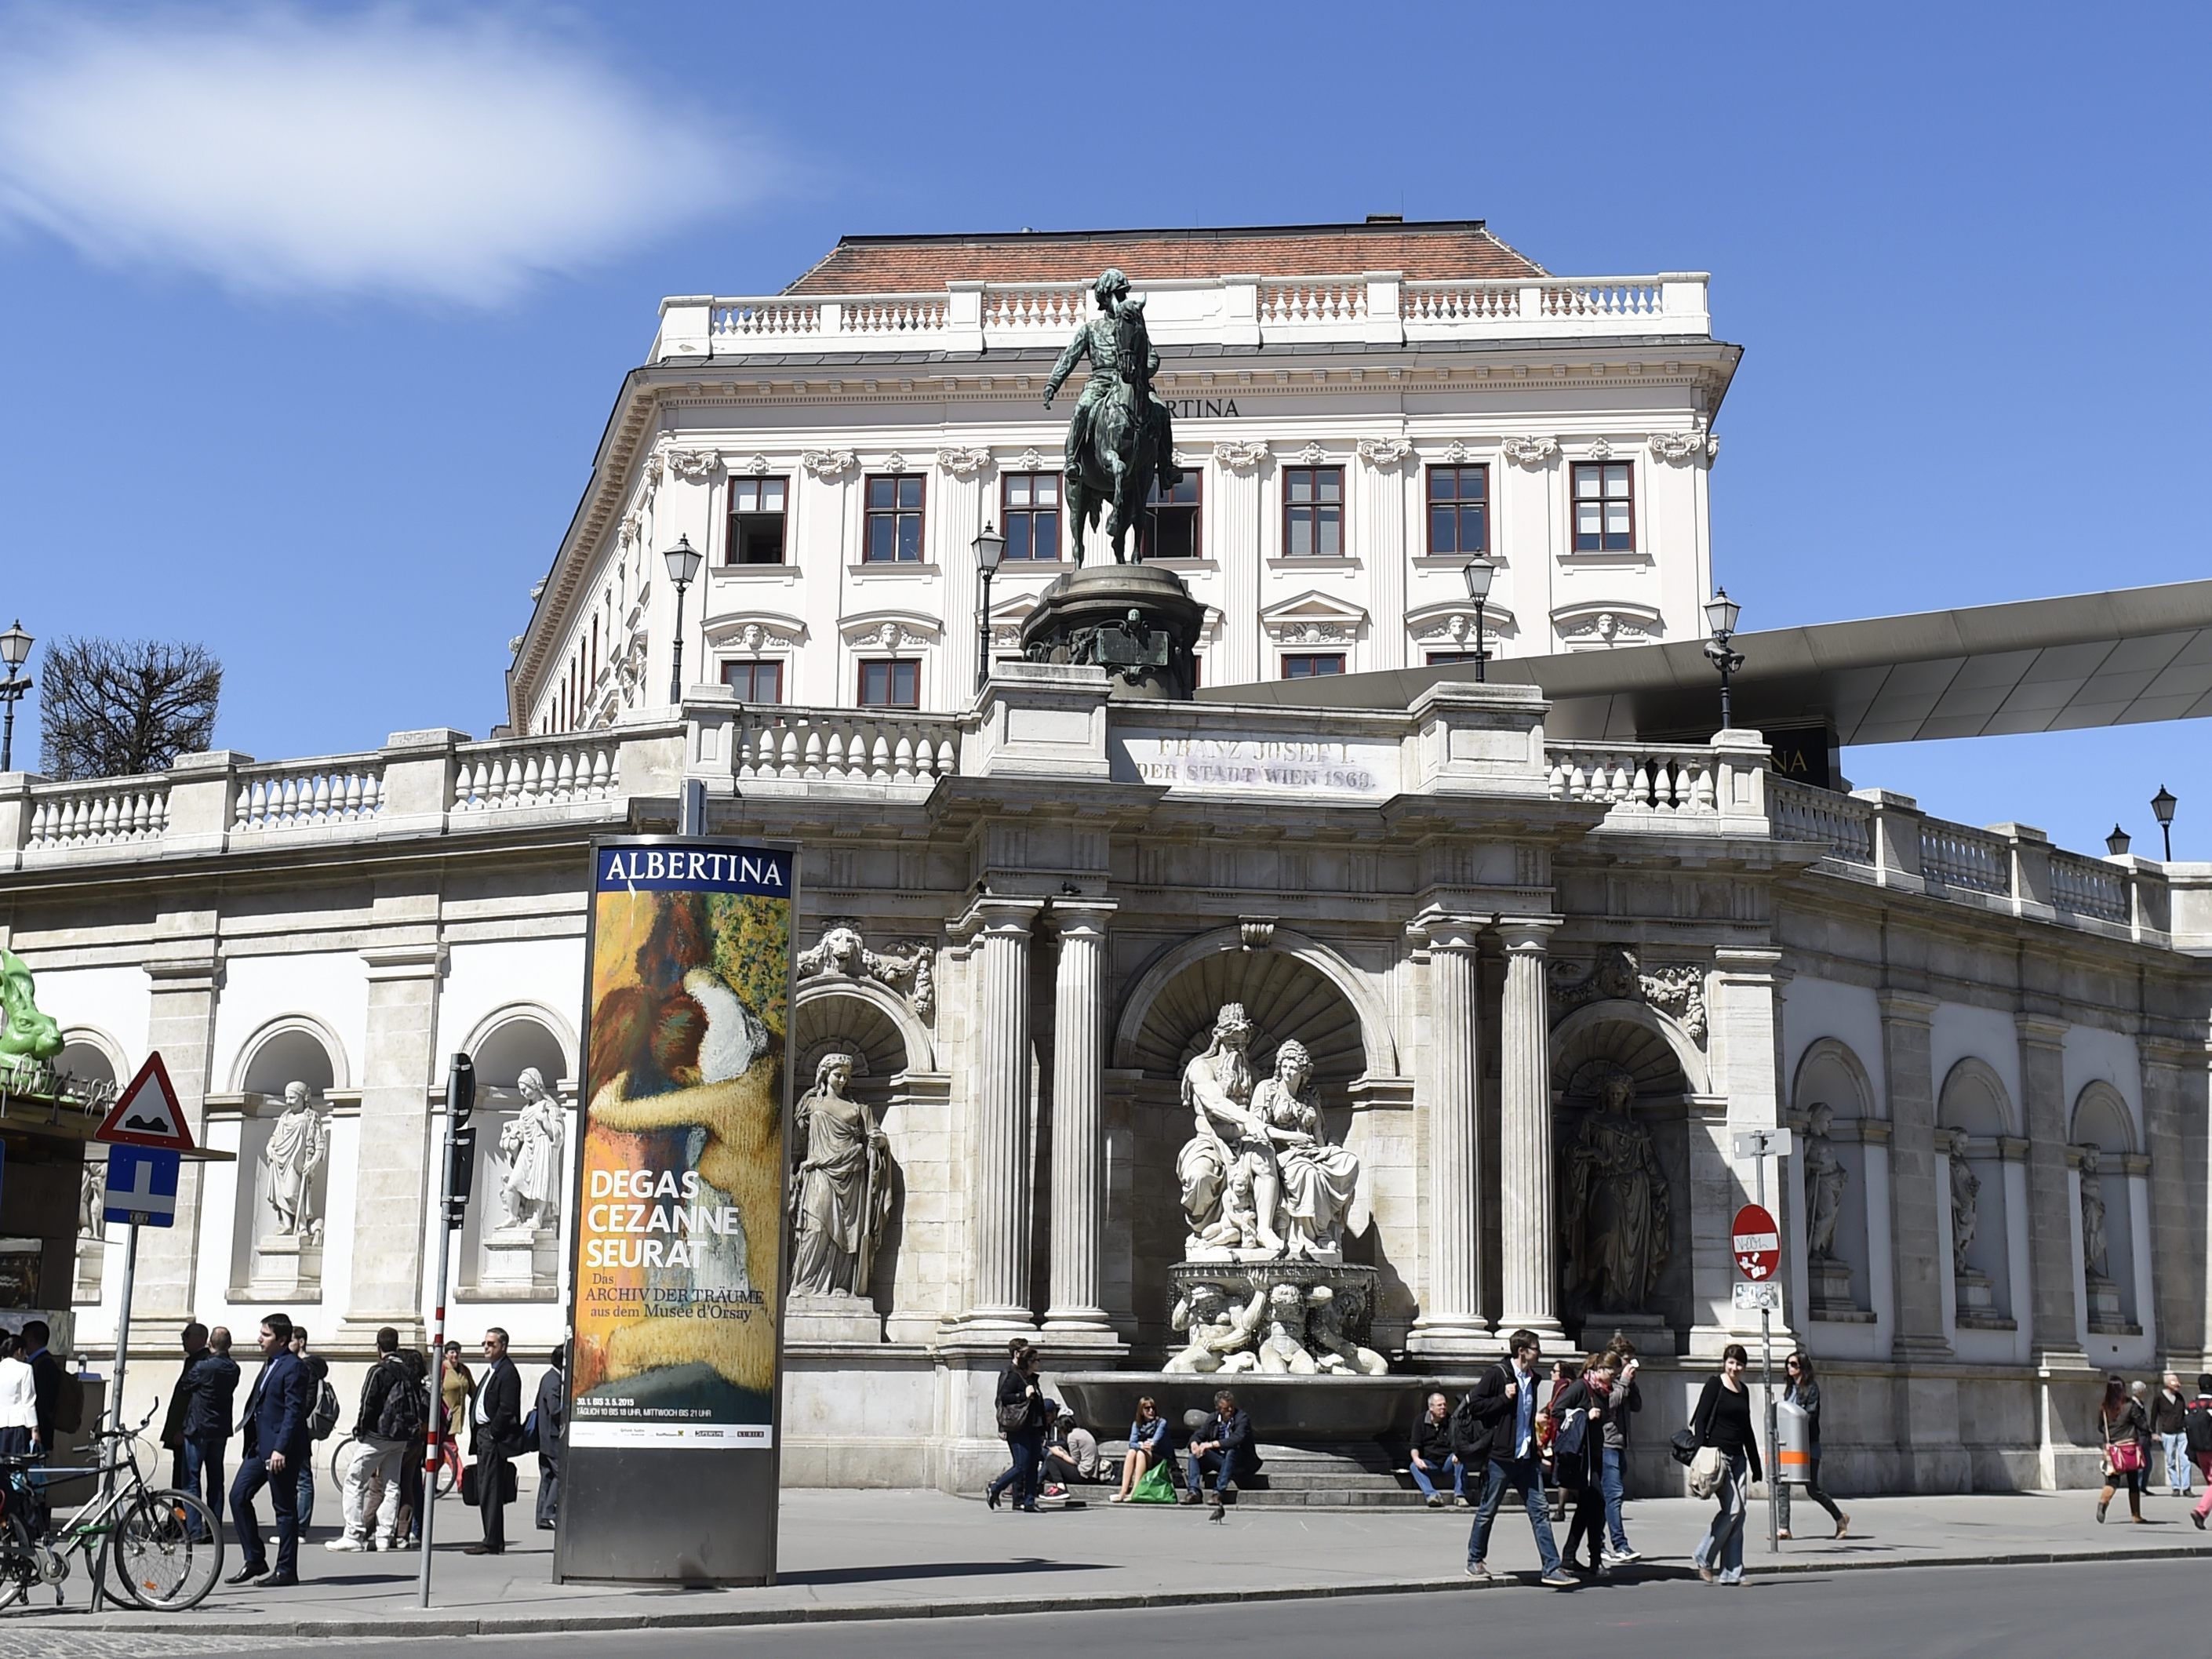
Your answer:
<point x="375" y="1465"/>
<point x="202" y="1461"/>
<point x="2177" y="1462"/>
<point x="1527" y="1473"/>
<point x="1723" y="1547"/>
<point x="1614" y="1484"/>
<point x="283" y="1486"/>
<point x="1451" y="1465"/>
<point x="307" y="1490"/>
<point x="1027" y="1447"/>
<point x="1221" y="1462"/>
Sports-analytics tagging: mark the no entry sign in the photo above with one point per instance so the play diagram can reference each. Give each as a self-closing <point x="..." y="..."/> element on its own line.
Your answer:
<point x="1756" y="1242"/>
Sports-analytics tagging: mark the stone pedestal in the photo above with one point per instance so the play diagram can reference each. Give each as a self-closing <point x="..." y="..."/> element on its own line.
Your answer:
<point x="286" y="1269"/>
<point x="1353" y="1288"/>
<point x="831" y="1318"/>
<point x="2106" y="1317"/>
<point x="91" y="1268"/>
<point x="1828" y="1294"/>
<point x="1976" y="1300"/>
<point x="1653" y="1336"/>
<point x="1138" y="622"/>
<point x="520" y="1262"/>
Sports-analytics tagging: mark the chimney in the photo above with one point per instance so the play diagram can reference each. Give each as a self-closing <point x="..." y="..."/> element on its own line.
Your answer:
<point x="1386" y="218"/>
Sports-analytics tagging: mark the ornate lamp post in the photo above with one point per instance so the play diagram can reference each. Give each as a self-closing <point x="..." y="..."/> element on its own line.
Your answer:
<point x="1721" y="614"/>
<point x="990" y="548"/>
<point x="683" y="561"/>
<point x="2162" y="804"/>
<point x="2118" y="842"/>
<point x="15" y="647"/>
<point x="1480" y="573"/>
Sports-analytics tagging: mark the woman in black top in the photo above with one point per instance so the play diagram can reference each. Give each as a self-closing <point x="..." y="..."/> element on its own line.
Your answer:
<point x="2125" y="1424"/>
<point x="1579" y="1411"/>
<point x="1722" y="1421"/>
<point x="1805" y="1394"/>
<point x="1023" y="1429"/>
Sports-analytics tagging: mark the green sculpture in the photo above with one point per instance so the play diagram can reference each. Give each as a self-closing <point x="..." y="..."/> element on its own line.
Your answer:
<point x="1121" y="436"/>
<point x="28" y="1038"/>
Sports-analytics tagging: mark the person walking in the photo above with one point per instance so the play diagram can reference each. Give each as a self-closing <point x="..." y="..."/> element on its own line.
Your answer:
<point x="2125" y="1424"/>
<point x="1430" y="1456"/>
<point x="1626" y="1398"/>
<point x="323" y="1416"/>
<point x="275" y="1426"/>
<point x="1578" y="1411"/>
<point x="547" y="1415"/>
<point x="194" y="1341"/>
<point x="1148" y="1444"/>
<point x="1494" y="1430"/>
<point x="1022" y="1413"/>
<point x="2196" y="1429"/>
<point x="495" y="1438"/>
<point x="417" y="1367"/>
<point x="1722" y="1421"/>
<point x="383" y="1427"/>
<point x="2169" y="1420"/>
<point x="1803" y="1392"/>
<point x="1222" y="1446"/>
<point x="19" y="1399"/>
<point x="457" y="1391"/>
<point x="209" y="1387"/>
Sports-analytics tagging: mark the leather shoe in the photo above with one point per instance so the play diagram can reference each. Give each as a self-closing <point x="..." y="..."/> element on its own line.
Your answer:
<point x="280" y="1581"/>
<point x="481" y="1549"/>
<point x="248" y="1573"/>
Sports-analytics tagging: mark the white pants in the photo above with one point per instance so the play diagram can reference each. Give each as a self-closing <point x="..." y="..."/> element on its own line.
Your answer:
<point x="375" y="1462"/>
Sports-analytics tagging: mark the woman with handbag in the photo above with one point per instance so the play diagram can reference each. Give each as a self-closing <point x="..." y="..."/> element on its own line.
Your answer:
<point x="1728" y="1453"/>
<point x="2125" y="1424"/>
<point x="1022" y="1413"/>
<point x="1148" y="1445"/>
<point x="1805" y="1394"/>
<point x="1578" y="1413"/>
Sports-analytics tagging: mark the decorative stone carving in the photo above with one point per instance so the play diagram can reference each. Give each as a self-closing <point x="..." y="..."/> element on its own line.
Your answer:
<point x="841" y="953"/>
<point x="1031" y="459"/>
<point x="1825" y="1181"/>
<point x="694" y="466"/>
<point x="1279" y="1318"/>
<point x="2094" y="1260"/>
<point x="1241" y="456"/>
<point x="840" y="1190"/>
<point x="1319" y="1181"/>
<point x="91" y="1201"/>
<point x="1383" y="454"/>
<point x="894" y="462"/>
<point x="1529" y="452"/>
<point x="1257" y="932"/>
<point x="963" y="463"/>
<point x="1618" y="1217"/>
<point x="515" y="644"/>
<point x="826" y="464"/>
<point x="531" y="1187"/>
<point x="757" y="465"/>
<point x="297" y="1147"/>
<point x="1333" y="1351"/>
<point x="1220" y="1338"/>
<point x="1677" y="988"/>
<point x="1312" y="455"/>
<point x="1457" y="452"/>
<point x="1965" y="1217"/>
<point x="1678" y="447"/>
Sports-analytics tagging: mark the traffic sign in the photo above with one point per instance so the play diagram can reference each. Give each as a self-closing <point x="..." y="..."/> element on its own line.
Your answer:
<point x="146" y="1113"/>
<point x="1757" y="1299"/>
<point x="142" y="1186"/>
<point x="1756" y="1242"/>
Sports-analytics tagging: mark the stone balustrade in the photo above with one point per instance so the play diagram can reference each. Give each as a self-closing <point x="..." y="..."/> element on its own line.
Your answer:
<point x="1374" y="307"/>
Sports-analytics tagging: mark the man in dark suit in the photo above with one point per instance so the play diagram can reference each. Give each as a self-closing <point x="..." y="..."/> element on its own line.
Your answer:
<point x="195" y="1340"/>
<point x="497" y="1439"/>
<point x="547" y="1414"/>
<point x="275" y="1427"/>
<point x="209" y="1390"/>
<point x="45" y="1383"/>
<point x="1222" y="1448"/>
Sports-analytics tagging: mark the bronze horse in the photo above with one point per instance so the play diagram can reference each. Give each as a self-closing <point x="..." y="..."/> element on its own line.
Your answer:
<point x="1121" y="457"/>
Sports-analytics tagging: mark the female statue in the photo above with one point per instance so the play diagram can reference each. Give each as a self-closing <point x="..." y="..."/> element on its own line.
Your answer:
<point x="841" y="1189"/>
<point x="1317" y="1180"/>
<point x="1825" y="1181"/>
<point x="1617" y="1210"/>
<point x="532" y="1142"/>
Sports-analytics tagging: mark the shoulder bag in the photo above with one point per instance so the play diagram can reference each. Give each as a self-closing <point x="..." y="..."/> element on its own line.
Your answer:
<point x="1705" y="1469"/>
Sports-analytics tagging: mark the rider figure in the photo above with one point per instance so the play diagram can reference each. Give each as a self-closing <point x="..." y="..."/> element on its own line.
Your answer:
<point x="1095" y="340"/>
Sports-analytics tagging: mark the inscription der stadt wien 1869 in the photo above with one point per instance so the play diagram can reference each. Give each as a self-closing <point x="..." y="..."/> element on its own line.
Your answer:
<point x="1247" y="764"/>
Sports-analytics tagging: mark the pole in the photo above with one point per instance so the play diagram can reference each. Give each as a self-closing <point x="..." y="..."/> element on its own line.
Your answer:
<point x="433" y="1419"/>
<point x="1726" y="722"/>
<point x="983" y="635"/>
<point x="8" y="740"/>
<point x="121" y="1350"/>
<point x="1481" y="653"/>
<point x="1766" y="1383"/>
<point x="675" y="678"/>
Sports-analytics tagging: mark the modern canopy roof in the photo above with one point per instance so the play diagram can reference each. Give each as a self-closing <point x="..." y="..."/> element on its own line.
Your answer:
<point x="2111" y="659"/>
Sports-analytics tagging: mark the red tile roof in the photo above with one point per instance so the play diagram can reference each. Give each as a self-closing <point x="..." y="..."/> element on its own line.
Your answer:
<point x="1425" y="250"/>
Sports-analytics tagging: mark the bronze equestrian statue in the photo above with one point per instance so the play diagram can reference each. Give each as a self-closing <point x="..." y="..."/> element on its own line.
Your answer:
<point x="1122" y="436"/>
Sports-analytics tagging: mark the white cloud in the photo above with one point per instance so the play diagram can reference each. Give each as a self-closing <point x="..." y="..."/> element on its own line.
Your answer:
<point x="383" y="152"/>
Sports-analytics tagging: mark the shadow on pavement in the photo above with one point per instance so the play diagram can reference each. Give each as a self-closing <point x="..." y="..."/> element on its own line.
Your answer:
<point x="939" y="1570"/>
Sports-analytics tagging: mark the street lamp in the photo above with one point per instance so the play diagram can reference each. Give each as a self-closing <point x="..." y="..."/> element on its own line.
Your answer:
<point x="683" y="561"/>
<point x="15" y="646"/>
<point x="1480" y="573"/>
<point x="1721" y="614"/>
<point x="2118" y="842"/>
<point x="990" y="548"/>
<point x="2162" y="804"/>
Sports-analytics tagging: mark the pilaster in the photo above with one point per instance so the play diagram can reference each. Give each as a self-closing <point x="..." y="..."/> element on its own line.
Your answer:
<point x="2053" y="1211"/>
<point x="391" y="1185"/>
<point x="1450" y="1323"/>
<point x="1076" y="1317"/>
<point x="999" y="1141"/>
<point x="1529" y="1233"/>
<point x="1918" y="1256"/>
<point x="180" y="1028"/>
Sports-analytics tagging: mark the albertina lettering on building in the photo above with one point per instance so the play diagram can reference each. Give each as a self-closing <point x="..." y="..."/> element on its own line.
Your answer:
<point x="1203" y="409"/>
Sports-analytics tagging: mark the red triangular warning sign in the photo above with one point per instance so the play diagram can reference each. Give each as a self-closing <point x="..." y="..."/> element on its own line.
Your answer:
<point x="147" y="1114"/>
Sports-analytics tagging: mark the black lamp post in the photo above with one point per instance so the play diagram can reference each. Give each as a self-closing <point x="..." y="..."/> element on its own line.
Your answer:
<point x="15" y="647"/>
<point x="683" y="561"/>
<point x="1721" y="614"/>
<point x="1480" y="573"/>
<point x="990" y="548"/>
<point x="2162" y="804"/>
<point x="2118" y="842"/>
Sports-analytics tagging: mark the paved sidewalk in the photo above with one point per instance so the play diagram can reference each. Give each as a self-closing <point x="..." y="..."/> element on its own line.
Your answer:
<point x="922" y="1555"/>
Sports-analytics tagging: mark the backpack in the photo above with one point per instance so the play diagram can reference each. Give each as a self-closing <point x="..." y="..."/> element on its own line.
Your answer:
<point x="2197" y="1427"/>
<point x="69" y="1403"/>
<point x="324" y="1417"/>
<point x="405" y="1409"/>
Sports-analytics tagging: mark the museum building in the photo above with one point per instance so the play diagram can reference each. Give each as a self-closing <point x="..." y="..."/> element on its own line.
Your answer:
<point x="1538" y="983"/>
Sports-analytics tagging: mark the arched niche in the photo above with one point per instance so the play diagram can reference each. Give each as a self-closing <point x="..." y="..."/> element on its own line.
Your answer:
<point x="1293" y="987"/>
<point x="1831" y="1075"/>
<point x="504" y="1258"/>
<point x="875" y="1022"/>
<point x="294" y="1049"/>
<point x="522" y="1036"/>
<point x="2102" y="1120"/>
<point x="90" y="1055"/>
<point x="1976" y="1107"/>
<point x="1593" y="1044"/>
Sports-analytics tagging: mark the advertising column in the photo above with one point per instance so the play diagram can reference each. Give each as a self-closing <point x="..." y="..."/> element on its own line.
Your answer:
<point x="669" y="1468"/>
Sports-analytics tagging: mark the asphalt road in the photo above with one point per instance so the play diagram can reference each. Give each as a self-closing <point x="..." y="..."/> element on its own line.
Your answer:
<point x="1935" y="1613"/>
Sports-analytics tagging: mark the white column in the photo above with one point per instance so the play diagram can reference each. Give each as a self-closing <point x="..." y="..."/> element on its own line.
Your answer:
<point x="1450" y="1322"/>
<point x="1000" y="1143"/>
<point x="1078" y="1131"/>
<point x="1528" y="1227"/>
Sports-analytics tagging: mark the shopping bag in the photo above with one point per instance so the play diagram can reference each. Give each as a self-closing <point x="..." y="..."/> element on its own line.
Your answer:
<point x="1153" y="1486"/>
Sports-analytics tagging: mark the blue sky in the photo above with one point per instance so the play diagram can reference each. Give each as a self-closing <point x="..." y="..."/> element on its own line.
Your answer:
<point x="318" y="386"/>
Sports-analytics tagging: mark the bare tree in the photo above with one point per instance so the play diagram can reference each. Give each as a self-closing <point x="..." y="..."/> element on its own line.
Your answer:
<point x="110" y="708"/>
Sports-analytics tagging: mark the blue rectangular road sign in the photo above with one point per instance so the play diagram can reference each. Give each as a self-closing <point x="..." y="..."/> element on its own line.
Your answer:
<point x="142" y="1186"/>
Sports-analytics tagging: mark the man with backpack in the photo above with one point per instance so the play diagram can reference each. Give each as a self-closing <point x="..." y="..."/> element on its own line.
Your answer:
<point x="322" y="1419"/>
<point x="1494" y="1430"/>
<point x="387" y="1428"/>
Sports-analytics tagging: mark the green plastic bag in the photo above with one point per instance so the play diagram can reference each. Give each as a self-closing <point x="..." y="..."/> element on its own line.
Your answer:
<point x="1153" y="1486"/>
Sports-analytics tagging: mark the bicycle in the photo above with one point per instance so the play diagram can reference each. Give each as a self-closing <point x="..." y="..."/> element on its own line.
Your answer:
<point x="164" y="1547"/>
<point x="449" y="1461"/>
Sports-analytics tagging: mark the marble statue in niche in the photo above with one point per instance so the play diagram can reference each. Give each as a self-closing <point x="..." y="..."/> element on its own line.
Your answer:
<point x="2094" y="1259"/>
<point x="1825" y="1181"/>
<point x="1317" y="1181"/>
<point x="92" y="1200"/>
<point x="841" y="1190"/>
<point x="1283" y="1349"/>
<point x="530" y="1188"/>
<point x="1966" y="1213"/>
<point x="1618" y="1212"/>
<point x="297" y="1147"/>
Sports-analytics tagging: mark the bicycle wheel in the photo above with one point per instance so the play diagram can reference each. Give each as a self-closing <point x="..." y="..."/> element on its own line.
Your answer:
<point x="339" y="1460"/>
<point x="167" y="1550"/>
<point x="19" y="1568"/>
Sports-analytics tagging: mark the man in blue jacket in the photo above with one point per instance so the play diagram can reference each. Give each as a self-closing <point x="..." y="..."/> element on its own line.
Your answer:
<point x="208" y="1390"/>
<point x="276" y="1445"/>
